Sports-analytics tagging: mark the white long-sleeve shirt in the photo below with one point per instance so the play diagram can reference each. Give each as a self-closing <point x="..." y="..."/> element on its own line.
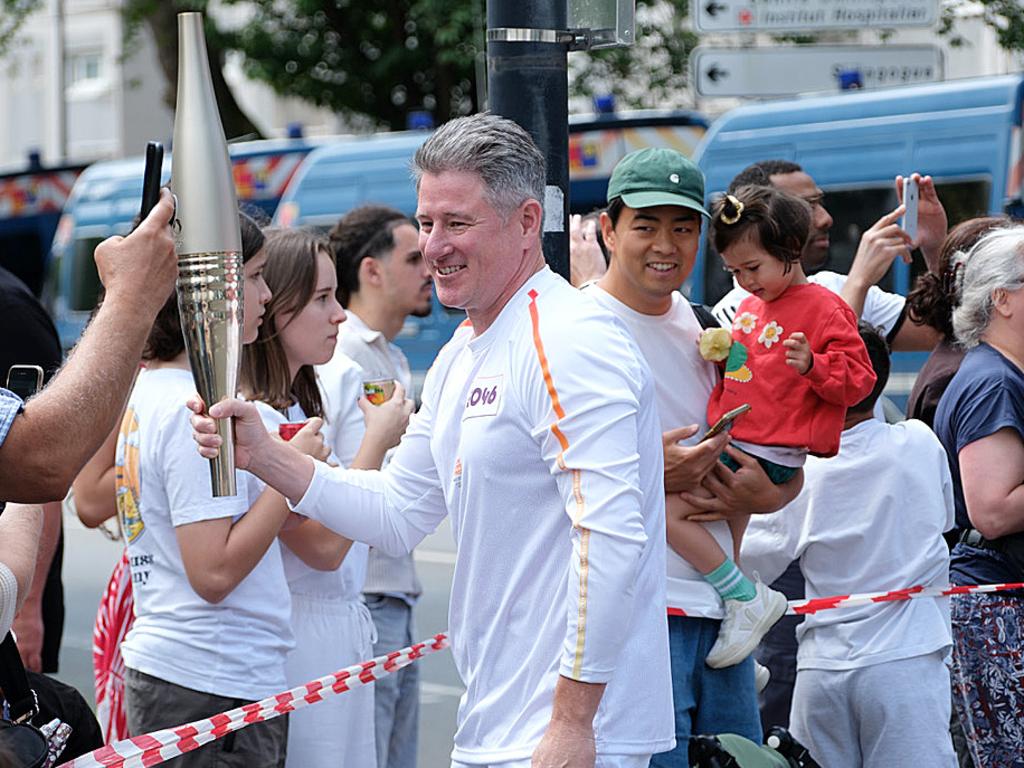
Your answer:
<point x="541" y="439"/>
<point x="868" y="520"/>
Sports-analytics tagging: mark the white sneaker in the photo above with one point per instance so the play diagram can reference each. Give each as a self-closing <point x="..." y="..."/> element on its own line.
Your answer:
<point x="761" y="677"/>
<point x="744" y="625"/>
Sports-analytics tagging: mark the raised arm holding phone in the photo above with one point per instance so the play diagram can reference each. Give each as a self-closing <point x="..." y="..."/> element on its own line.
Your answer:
<point x="85" y="399"/>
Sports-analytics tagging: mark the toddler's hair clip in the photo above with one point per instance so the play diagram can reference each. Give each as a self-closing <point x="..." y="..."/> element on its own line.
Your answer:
<point x="738" y="205"/>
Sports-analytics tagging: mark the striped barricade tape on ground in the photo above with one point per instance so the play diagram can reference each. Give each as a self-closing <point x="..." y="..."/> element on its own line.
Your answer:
<point x="158" y="746"/>
<point x="801" y="607"/>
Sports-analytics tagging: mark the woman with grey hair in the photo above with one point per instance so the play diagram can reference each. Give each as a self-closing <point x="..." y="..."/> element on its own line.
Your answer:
<point x="980" y="421"/>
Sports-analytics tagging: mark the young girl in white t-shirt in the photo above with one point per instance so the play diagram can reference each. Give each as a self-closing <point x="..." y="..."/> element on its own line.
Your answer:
<point x="211" y="628"/>
<point x="325" y="571"/>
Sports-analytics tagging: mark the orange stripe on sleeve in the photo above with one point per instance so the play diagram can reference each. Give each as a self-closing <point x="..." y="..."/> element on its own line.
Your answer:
<point x="581" y="623"/>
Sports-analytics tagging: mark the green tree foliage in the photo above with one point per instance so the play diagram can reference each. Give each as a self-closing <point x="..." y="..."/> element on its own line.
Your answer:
<point x="161" y="18"/>
<point x="650" y="73"/>
<point x="381" y="58"/>
<point x="12" y="14"/>
<point x="1006" y="17"/>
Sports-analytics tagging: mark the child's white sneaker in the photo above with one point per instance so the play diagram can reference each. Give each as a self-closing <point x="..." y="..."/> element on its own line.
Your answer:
<point x="761" y="676"/>
<point x="744" y="625"/>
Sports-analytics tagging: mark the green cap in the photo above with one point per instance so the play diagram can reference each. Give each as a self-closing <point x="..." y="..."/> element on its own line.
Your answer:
<point x="655" y="176"/>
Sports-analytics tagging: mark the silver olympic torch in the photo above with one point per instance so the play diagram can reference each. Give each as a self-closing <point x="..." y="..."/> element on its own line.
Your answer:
<point x="207" y="240"/>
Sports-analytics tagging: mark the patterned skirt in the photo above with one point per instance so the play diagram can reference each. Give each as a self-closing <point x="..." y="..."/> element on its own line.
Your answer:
<point x="988" y="677"/>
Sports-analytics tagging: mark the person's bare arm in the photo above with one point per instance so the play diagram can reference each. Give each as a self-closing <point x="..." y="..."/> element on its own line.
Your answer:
<point x="568" y="741"/>
<point x="95" y="491"/>
<point x="992" y="470"/>
<point x="21" y="526"/>
<point x="218" y="554"/>
<point x="28" y="624"/>
<point x="747" y="491"/>
<point x="63" y="426"/>
<point x="915" y="337"/>
<point x="879" y="247"/>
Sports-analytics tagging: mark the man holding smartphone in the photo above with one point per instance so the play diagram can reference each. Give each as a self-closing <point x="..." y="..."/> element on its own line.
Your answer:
<point x="652" y="228"/>
<point x="85" y="398"/>
<point x="30" y="358"/>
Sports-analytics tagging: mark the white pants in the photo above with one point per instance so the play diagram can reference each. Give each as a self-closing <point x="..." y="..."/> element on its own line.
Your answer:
<point x="884" y="715"/>
<point x="338" y="731"/>
<point x="603" y="761"/>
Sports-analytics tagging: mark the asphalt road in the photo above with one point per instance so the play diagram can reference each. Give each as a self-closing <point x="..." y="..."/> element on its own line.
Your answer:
<point x="89" y="558"/>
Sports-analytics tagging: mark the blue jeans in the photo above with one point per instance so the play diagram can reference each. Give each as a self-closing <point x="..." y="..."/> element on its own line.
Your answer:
<point x="396" y="698"/>
<point x="706" y="700"/>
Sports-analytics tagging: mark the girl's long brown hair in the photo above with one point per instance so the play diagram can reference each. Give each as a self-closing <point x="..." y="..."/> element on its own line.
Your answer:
<point x="290" y="273"/>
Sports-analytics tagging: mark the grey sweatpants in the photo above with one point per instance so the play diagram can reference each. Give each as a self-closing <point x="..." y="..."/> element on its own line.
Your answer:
<point x="881" y="716"/>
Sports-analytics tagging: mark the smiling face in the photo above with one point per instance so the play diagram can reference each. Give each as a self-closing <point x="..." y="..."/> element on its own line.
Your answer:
<point x="757" y="271"/>
<point x="477" y="258"/>
<point x="255" y="296"/>
<point x="309" y="335"/>
<point x="653" y="252"/>
<point x="801" y="185"/>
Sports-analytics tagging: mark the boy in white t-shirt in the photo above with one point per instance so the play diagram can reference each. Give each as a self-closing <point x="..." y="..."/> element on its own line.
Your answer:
<point x="872" y="686"/>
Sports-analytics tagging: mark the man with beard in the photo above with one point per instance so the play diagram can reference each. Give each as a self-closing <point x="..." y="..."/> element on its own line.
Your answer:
<point x="382" y="279"/>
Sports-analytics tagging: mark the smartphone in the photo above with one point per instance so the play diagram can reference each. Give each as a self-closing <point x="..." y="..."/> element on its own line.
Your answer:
<point x="24" y="380"/>
<point x="726" y="421"/>
<point x="910" y="199"/>
<point x="151" y="178"/>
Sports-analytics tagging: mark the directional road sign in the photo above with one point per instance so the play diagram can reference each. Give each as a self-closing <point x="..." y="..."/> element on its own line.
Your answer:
<point x="789" y="70"/>
<point x="799" y="15"/>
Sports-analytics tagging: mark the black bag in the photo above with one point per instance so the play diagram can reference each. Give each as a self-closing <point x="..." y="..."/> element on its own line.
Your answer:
<point x="21" y="743"/>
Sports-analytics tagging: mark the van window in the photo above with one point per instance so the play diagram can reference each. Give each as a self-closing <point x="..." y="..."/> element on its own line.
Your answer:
<point x="853" y="212"/>
<point x="85" y="280"/>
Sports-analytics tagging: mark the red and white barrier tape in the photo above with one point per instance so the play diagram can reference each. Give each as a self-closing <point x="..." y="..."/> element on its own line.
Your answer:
<point x="158" y="746"/>
<point x="801" y="607"/>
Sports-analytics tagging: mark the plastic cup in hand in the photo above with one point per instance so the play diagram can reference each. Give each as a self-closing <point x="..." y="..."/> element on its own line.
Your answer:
<point x="379" y="391"/>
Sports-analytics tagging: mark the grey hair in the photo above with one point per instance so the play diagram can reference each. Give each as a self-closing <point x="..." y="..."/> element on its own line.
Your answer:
<point x="496" y="149"/>
<point x="996" y="262"/>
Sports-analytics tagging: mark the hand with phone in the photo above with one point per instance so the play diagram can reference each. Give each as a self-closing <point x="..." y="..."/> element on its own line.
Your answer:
<point x="879" y="247"/>
<point x="151" y="178"/>
<point x="686" y="466"/>
<point x="932" y="223"/>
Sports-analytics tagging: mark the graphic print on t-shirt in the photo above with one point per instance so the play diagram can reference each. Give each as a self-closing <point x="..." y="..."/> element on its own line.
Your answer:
<point x="127" y="477"/>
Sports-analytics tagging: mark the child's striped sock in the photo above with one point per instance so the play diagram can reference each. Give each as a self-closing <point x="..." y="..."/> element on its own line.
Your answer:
<point x="730" y="583"/>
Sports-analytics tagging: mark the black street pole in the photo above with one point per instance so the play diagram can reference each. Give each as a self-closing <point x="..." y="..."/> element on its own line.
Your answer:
<point x="527" y="81"/>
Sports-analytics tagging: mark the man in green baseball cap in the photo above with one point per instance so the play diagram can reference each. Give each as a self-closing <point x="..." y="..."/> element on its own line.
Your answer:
<point x="652" y="228"/>
<point x="653" y="177"/>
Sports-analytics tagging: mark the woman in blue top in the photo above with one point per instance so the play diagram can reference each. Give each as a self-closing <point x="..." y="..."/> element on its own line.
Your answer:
<point x="980" y="421"/>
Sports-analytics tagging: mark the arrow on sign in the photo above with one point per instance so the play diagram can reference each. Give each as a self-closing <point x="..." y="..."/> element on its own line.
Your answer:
<point x="714" y="8"/>
<point x="714" y="74"/>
